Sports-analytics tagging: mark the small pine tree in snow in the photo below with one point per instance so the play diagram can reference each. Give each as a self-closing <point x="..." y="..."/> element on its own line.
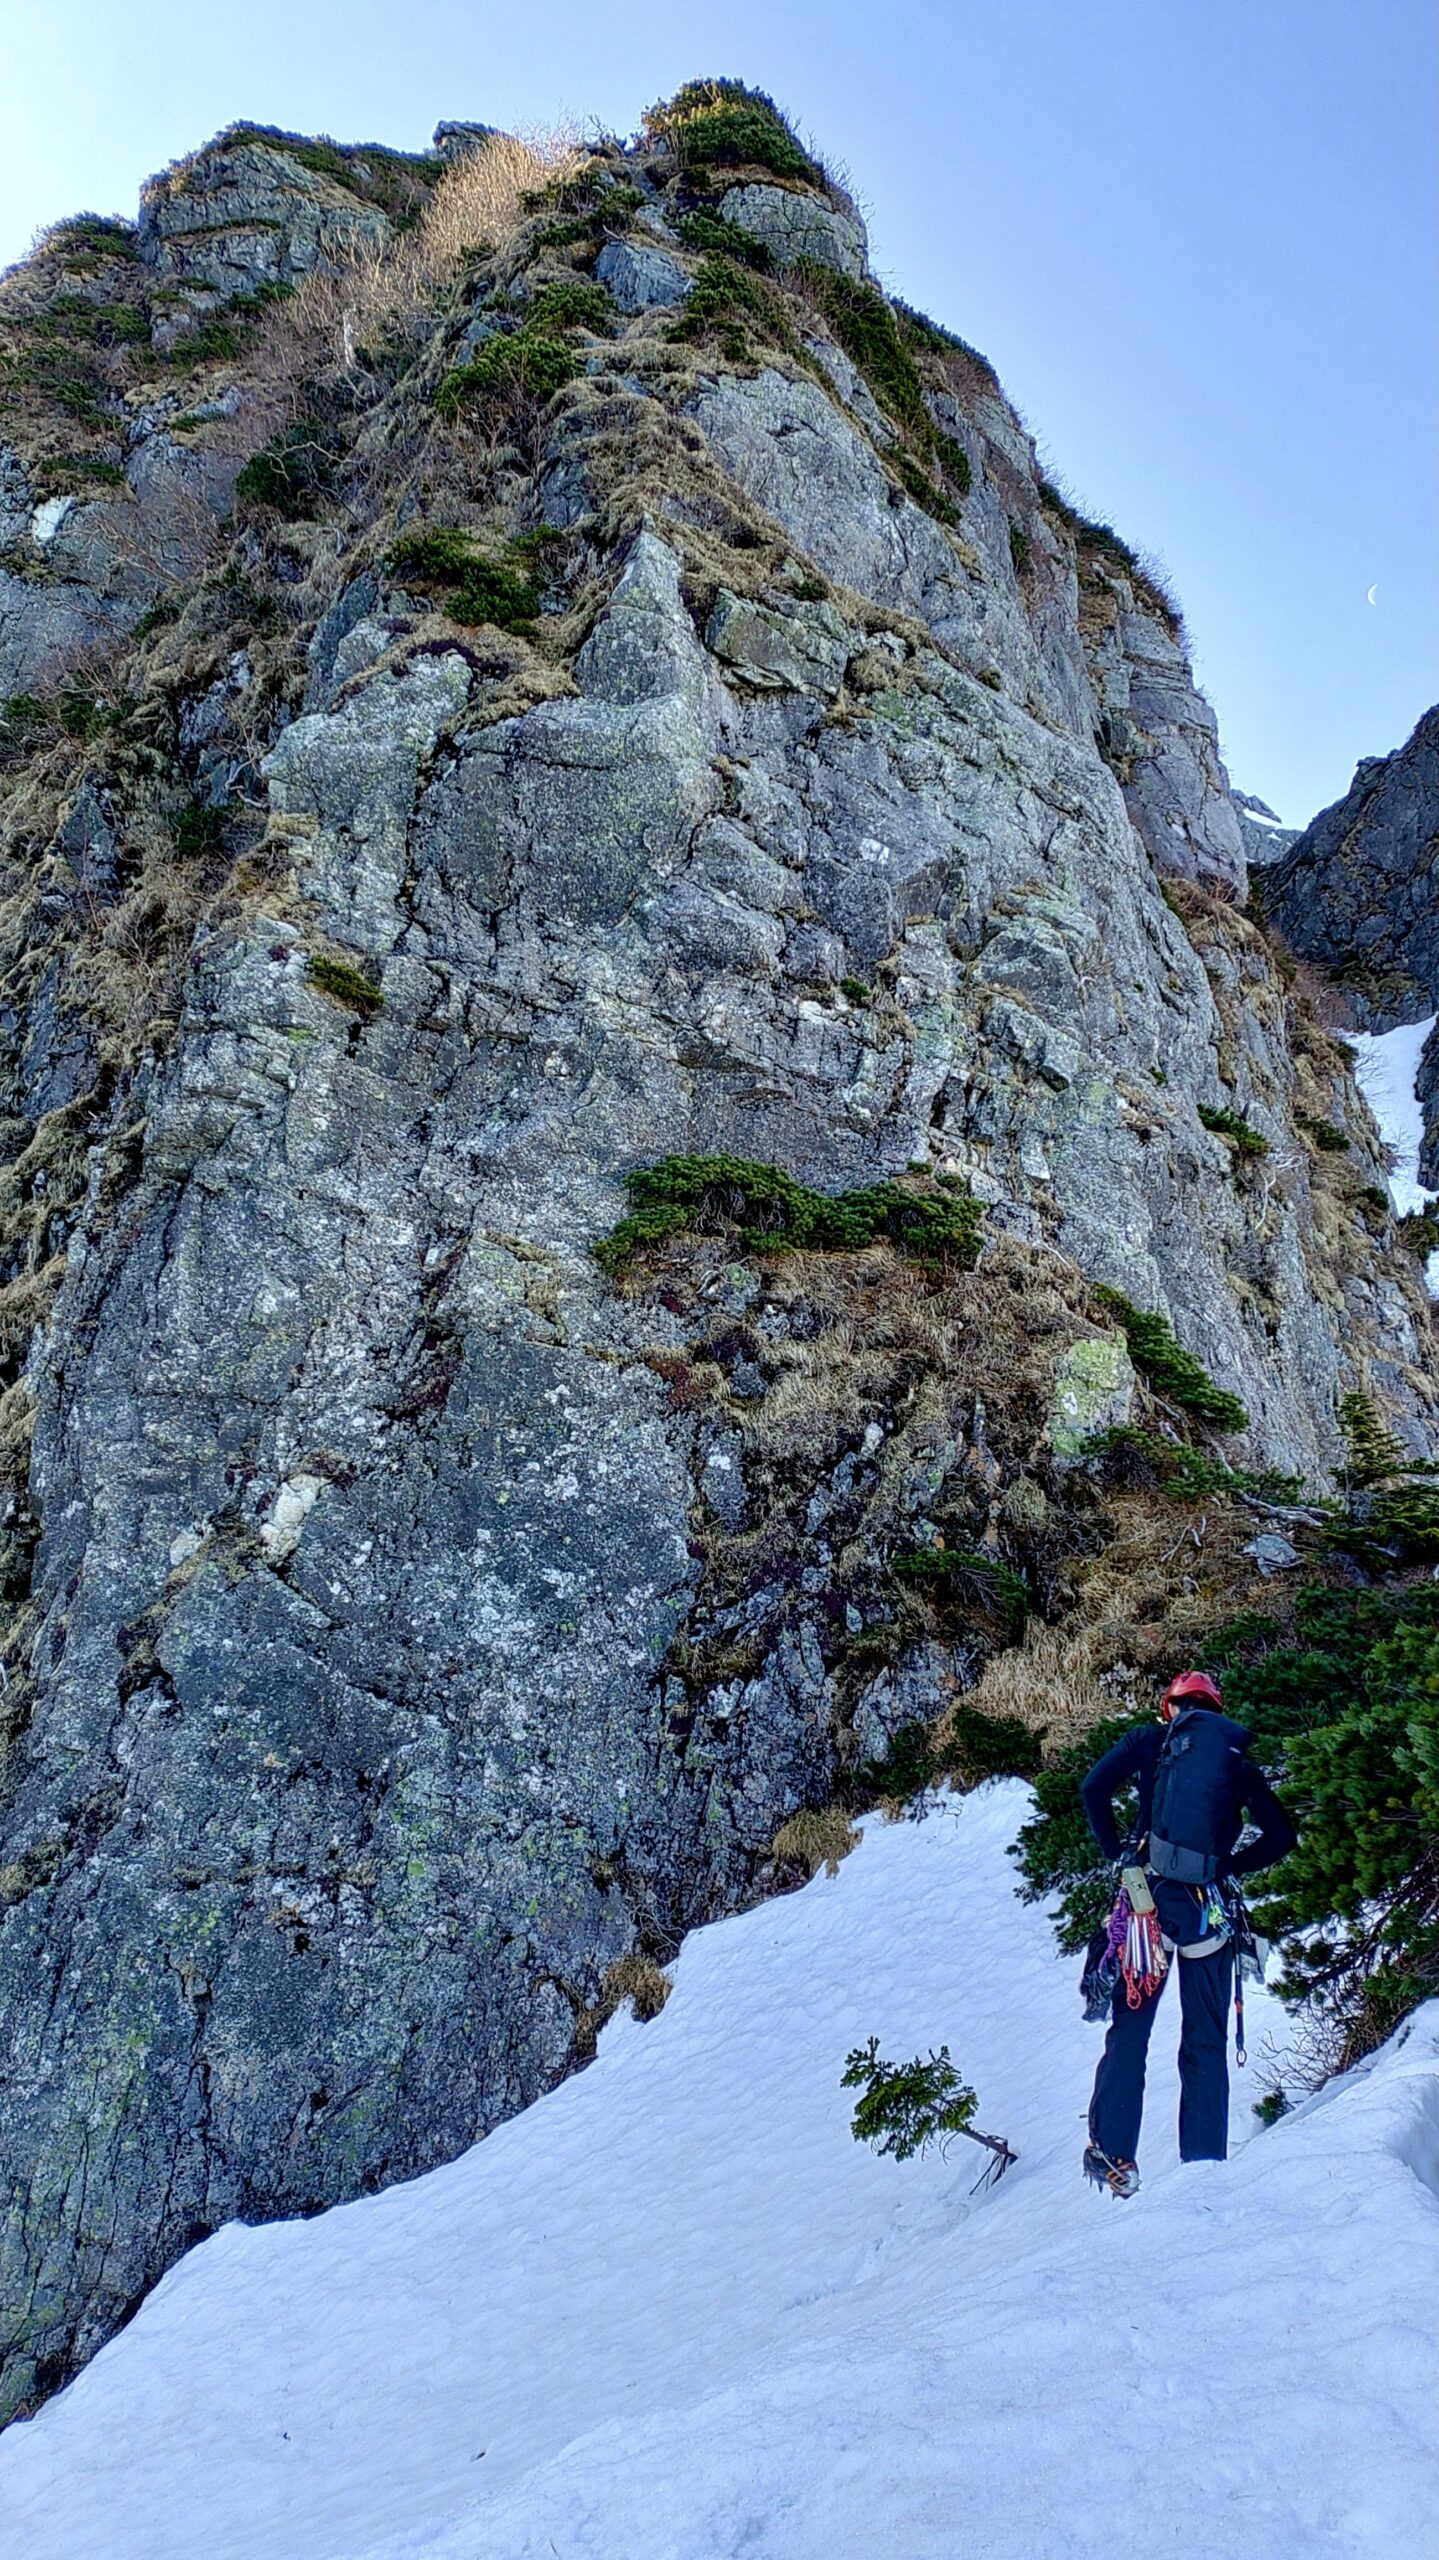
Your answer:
<point x="908" y="2105"/>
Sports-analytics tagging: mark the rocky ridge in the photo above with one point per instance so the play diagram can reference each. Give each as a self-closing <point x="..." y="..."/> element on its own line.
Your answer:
<point x="641" y="700"/>
<point x="1354" y="893"/>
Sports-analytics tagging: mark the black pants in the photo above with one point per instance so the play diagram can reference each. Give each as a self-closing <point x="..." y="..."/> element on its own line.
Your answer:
<point x="1205" y="1983"/>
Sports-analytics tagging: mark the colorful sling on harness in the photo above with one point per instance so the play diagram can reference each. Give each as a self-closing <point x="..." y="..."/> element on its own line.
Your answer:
<point x="1145" y="1960"/>
<point x="1136" y="1950"/>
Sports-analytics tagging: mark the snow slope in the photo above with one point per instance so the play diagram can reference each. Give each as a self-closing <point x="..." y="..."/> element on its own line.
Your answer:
<point x="1386" y="1064"/>
<point x="673" y="2312"/>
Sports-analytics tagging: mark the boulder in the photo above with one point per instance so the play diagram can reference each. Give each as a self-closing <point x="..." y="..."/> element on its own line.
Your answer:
<point x="638" y="277"/>
<point x="795" y="224"/>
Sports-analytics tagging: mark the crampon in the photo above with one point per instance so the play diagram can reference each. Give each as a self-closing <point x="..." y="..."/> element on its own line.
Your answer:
<point x="1120" y="2176"/>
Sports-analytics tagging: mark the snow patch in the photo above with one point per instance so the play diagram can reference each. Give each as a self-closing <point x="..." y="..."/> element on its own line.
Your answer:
<point x="1386" y="1064"/>
<point x="674" y="2312"/>
<point x="1386" y="1068"/>
<point x="47" y="518"/>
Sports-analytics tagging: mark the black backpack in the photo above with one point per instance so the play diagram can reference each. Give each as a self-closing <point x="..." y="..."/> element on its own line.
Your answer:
<point x="1196" y="1794"/>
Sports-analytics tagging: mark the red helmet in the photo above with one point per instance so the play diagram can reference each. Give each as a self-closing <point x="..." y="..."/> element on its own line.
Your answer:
<point x="1190" y="1684"/>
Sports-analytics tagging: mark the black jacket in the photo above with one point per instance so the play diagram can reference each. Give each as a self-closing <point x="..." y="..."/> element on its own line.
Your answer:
<point x="1134" y="1761"/>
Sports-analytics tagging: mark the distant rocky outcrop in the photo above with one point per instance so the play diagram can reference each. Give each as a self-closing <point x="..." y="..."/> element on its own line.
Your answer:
<point x="1358" y="894"/>
<point x="1265" y="836"/>
<point x="1358" y="891"/>
<point x="641" y="704"/>
<point x="254" y="209"/>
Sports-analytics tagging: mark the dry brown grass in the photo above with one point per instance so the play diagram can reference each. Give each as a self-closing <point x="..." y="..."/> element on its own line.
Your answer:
<point x="815" y="1840"/>
<point x="634" y="1978"/>
<point x="483" y="198"/>
<point x="1168" y="1576"/>
<point x="642" y="1982"/>
<point x="129" y="968"/>
<point x="339" y="310"/>
<point x="1047" y="1683"/>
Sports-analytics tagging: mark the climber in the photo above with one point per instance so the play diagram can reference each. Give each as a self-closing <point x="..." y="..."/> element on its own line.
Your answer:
<point x="1196" y="1787"/>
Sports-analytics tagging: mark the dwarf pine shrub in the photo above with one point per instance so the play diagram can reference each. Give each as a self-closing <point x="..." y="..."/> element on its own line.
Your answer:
<point x="728" y="302"/>
<point x="476" y="586"/>
<point x="776" y="1214"/>
<point x="571" y="302"/>
<point x="939" y="340"/>
<point x="919" y="485"/>
<point x="1057" y="1851"/>
<point x="1101" y="541"/>
<point x="863" y="322"/>
<point x="1245" y="1141"/>
<point x="866" y="328"/>
<point x="345" y="984"/>
<point x="966" y="1747"/>
<point x="289" y="473"/>
<point x="1418" y="1232"/>
<point x="708" y="234"/>
<point x="23" y="714"/>
<point x="199" y="830"/>
<point x="712" y="124"/>
<point x="1171" y="1370"/>
<point x="512" y="378"/>
<point x="906" y="2106"/>
<point x="1390" y="1513"/>
<point x="84" y="239"/>
<point x="959" y="1574"/>
<point x="587" y="212"/>
<point x="954" y="462"/>
<point x="1375" y="1454"/>
<point x="1182" y="1472"/>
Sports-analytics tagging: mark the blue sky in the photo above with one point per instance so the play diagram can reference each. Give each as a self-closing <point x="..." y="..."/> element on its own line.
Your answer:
<point x="1196" y="237"/>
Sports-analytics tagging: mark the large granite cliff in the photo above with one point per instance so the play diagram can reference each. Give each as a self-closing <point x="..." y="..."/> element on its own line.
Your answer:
<point x="628" y="694"/>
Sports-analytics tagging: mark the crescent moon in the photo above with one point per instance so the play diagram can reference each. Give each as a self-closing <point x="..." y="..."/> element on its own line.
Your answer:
<point x="1373" y="592"/>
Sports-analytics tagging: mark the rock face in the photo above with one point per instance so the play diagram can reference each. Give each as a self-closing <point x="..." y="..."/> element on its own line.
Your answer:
<point x="1358" y="893"/>
<point x="1265" y="836"/>
<point x="410" y="1618"/>
<point x="638" y="277"/>
<point x="1163" y="740"/>
<point x="249" y="212"/>
<point x="795" y="224"/>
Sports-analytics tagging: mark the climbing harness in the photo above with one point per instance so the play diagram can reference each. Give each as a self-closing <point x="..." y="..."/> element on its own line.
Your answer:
<point x="1130" y="1950"/>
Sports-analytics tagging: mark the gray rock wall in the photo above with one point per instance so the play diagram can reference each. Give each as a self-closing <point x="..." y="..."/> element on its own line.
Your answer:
<point x="246" y="213"/>
<point x="393" y="1657"/>
<point x="1358" y="894"/>
<point x="1358" y="891"/>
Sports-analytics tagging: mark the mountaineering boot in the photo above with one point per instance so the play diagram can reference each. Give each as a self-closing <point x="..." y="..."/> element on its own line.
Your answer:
<point x="1120" y="2176"/>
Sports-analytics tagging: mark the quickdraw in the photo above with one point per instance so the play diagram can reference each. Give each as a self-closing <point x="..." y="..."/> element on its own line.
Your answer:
<point x="1145" y="1960"/>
